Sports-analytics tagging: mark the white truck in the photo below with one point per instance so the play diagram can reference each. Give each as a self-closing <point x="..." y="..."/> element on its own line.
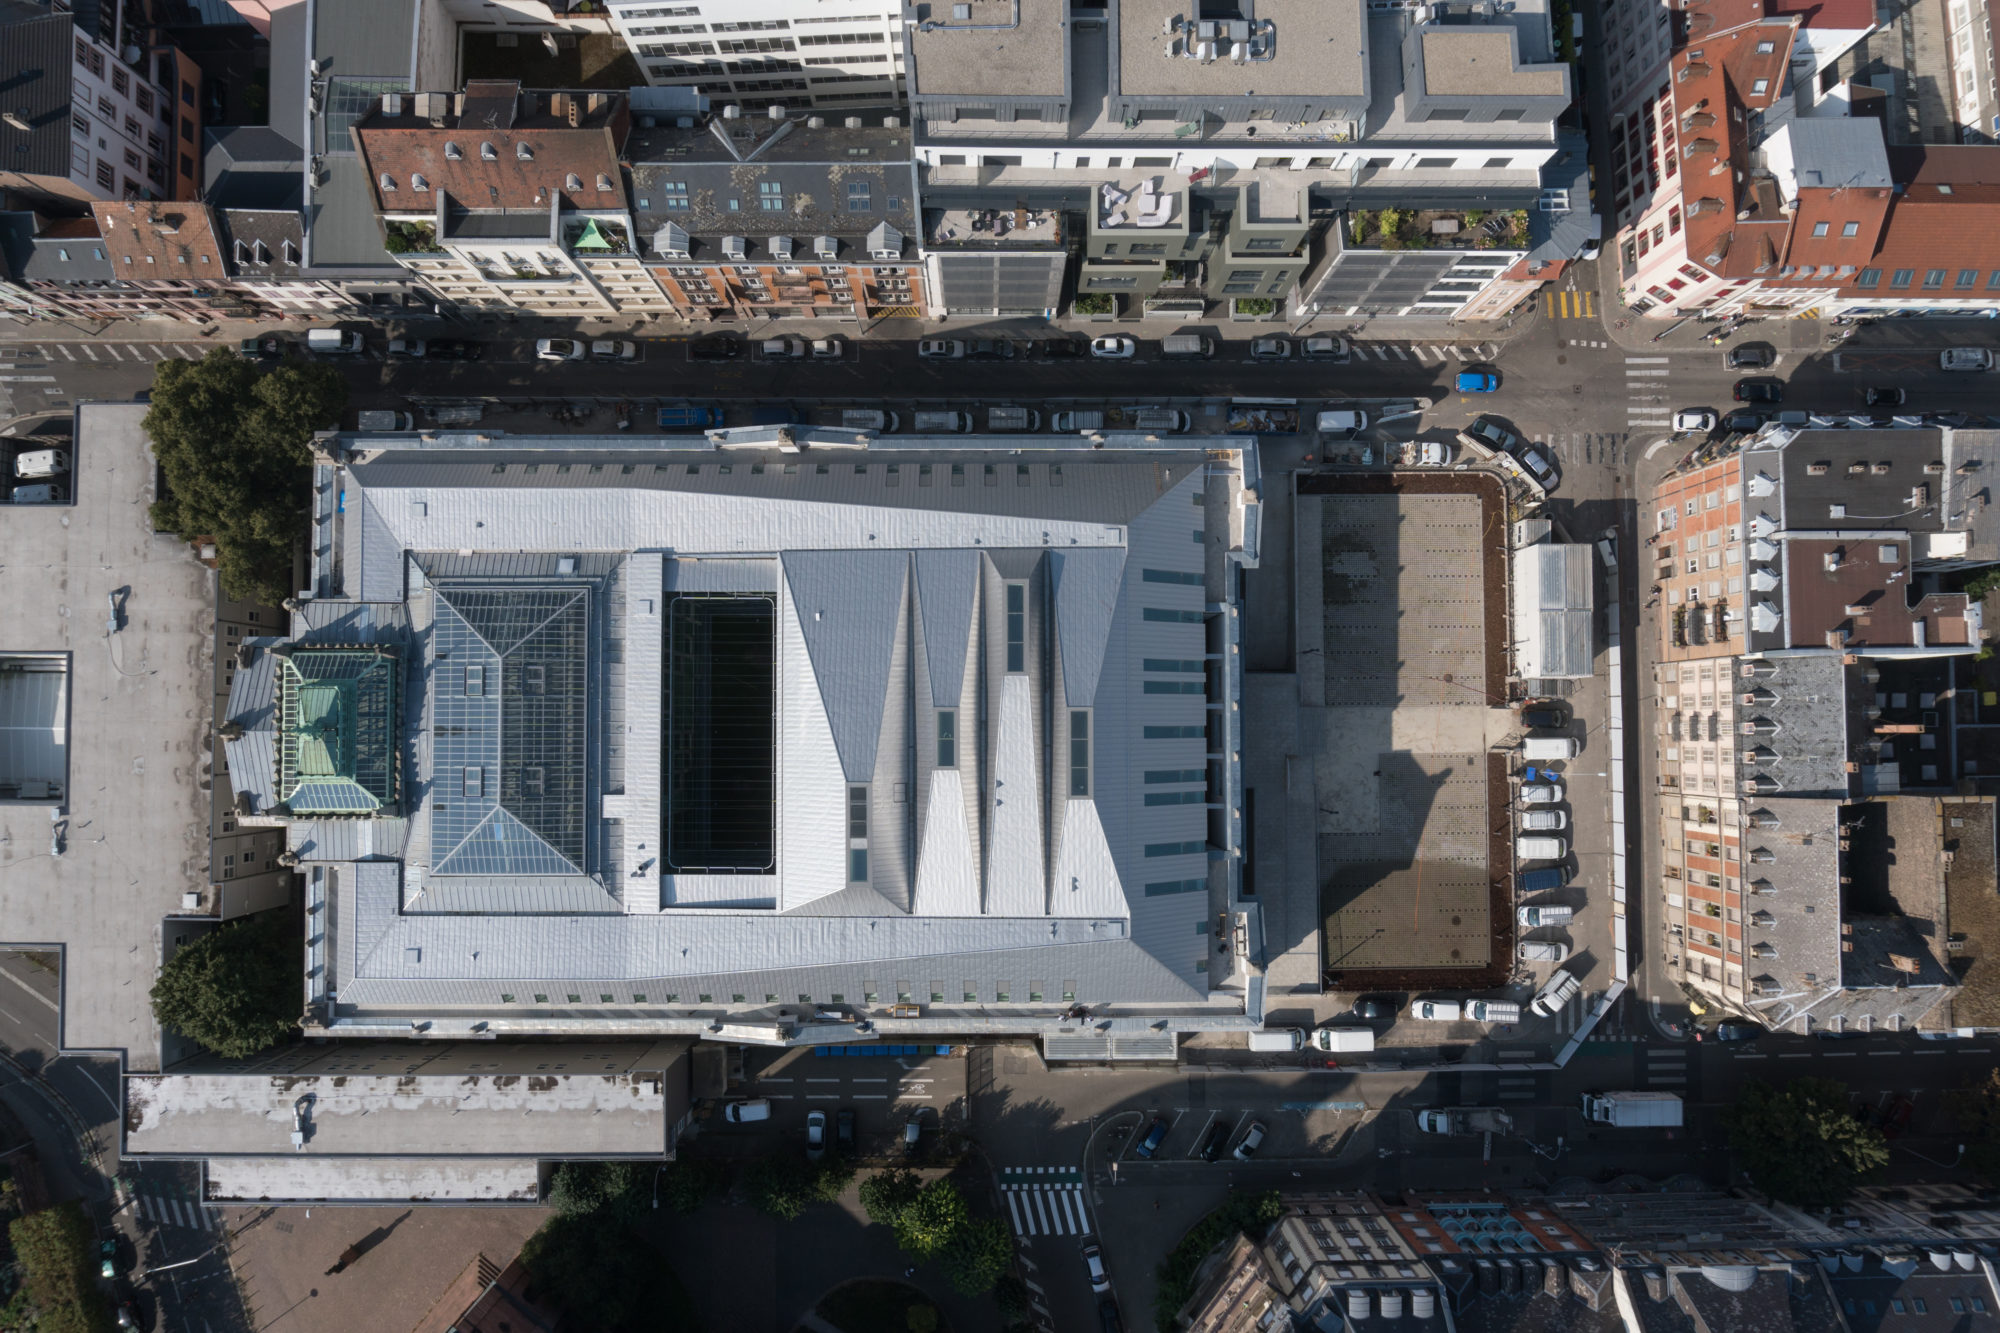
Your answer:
<point x="1633" y="1110"/>
<point x="1343" y="1039"/>
<point x="1465" y="1120"/>
<point x="1278" y="1039"/>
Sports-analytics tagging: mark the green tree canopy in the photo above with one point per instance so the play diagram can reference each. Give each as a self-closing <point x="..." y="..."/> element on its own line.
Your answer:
<point x="978" y="1255"/>
<point x="782" y="1186"/>
<point x="886" y="1194"/>
<point x="233" y="444"/>
<point x="606" y="1277"/>
<point x="236" y="989"/>
<point x="1801" y="1143"/>
<point x="613" y="1188"/>
<point x="55" y="1250"/>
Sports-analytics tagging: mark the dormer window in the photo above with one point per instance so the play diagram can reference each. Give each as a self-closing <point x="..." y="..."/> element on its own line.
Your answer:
<point x="242" y="253"/>
<point x="524" y="153"/>
<point x="388" y="183"/>
<point x="572" y="181"/>
<point x="288" y="251"/>
<point x="418" y="183"/>
<point x="604" y="184"/>
<point x="488" y="153"/>
<point x="452" y="152"/>
<point x="260" y="252"/>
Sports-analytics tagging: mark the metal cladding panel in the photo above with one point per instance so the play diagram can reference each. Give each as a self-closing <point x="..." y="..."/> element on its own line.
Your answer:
<point x="336" y="620"/>
<point x="812" y="786"/>
<point x="639" y="804"/>
<point x="848" y="603"/>
<point x="375" y="890"/>
<point x="374" y="558"/>
<point x="514" y="894"/>
<point x="253" y="758"/>
<point x="1086" y="881"/>
<point x="1087" y="585"/>
<point x="947" y="867"/>
<point x="1014" y="873"/>
<point x="947" y="587"/>
<point x="697" y="575"/>
<point x="348" y="839"/>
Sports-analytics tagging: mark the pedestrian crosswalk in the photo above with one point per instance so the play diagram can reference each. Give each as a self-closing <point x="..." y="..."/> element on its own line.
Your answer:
<point x="169" y="1210"/>
<point x="1569" y="304"/>
<point x="1426" y="353"/>
<point x="1045" y="1200"/>
<point x="104" y="352"/>
<point x="1646" y="403"/>
<point x="1516" y="1088"/>
<point x="1666" y="1067"/>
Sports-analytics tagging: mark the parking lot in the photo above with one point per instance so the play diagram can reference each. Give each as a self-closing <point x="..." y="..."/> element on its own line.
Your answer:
<point x="883" y="1091"/>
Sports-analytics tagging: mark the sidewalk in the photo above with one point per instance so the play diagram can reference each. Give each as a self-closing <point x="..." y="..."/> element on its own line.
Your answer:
<point x="1637" y="333"/>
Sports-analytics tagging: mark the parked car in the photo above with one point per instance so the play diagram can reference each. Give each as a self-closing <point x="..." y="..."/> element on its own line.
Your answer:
<point x="454" y="349"/>
<point x="1435" y="1011"/>
<point x="829" y="349"/>
<point x="1345" y="422"/>
<point x="406" y="349"/>
<point x="1108" y="1318"/>
<point x="1543" y="821"/>
<point x="1155" y="1133"/>
<point x="1885" y="395"/>
<point x="913" y="1132"/>
<point x="941" y="349"/>
<point x="843" y="1131"/>
<point x="990" y="349"/>
<point x="1216" y="1139"/>
<point x="1270" y="349"/>
<point x="1476" y="381"/>
<point x="717" y="347"/>
<point x="1328" y="348"/>
<point x="1965" y="358"/>
<point x="1374" y="1008"/>
<point x="1543" y="951"/>
<point x="1435" y="453"/>
<point x="1093" y="1263"/>
<point x="1544" y="715"/>
<point x="1759" y="391"/>
<point x="1752" y="356"/>
<point x="782" y="349"/>
<point x="815" y="1135"/>
<point x="559" y="349"/>
<point x="743" y="1113"/>
<point x="1113" y="347"/>
<point x="1555" y="994"/>
<point x="1493" y="435"/>
<point x="1538" y="916"/>
<point x="1252" y="1141"/>
<point x="267" y="348"/>
<point x="1492" y="1011"/>
<point x="1744" y="422"/>
<point x="614" y="349"/>
<point x="1738" y="1031"/>
<point x="1694" y="421"/>
<point x="1540" y="793"/>
<point x="1536" y="460"/>
<point x="1061" y="349"/>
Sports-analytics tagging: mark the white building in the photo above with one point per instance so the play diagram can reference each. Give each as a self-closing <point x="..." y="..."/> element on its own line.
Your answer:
<point x="798" y="52"/>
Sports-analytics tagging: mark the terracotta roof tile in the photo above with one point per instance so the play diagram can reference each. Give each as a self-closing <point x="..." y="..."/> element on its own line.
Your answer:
<point x="161" y="241"/>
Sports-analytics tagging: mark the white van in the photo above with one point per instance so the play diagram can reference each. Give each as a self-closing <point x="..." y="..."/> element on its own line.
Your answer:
<point x="742" y="1113"/>
<point x="1437" y="1011"/>
<point x="1013" y="418"/>
<point x="1543" y="821"/>
<point x="1555" y="994"/>
<point x="332" y="342"/>
<point x="1187" y="344"/>
<point x="1965" y="358"/>
<point x="41" y="463"/>
<point x="1066" y="422"/>
<point x="42" y="493"/>
<point x="1534" y="917"/>
<point x="1335" y="423"/>
<point x="1343" y="1039"/>
<point x="1493" y="1011"/>
<point x="941" y="423"/>
<point x="863" y="418"/>
<point x="1540" y="847"/>
<point x="1278" y="1039"/>
<point x="1167" y="419"/>
<point x="1547" y="749"/>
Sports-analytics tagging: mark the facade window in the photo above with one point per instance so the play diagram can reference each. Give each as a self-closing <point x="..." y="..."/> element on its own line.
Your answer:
<point x="1967" y="277"/>
<point x="1933" y="279"/>
<point x="947" y="738"/>
<point x="1869" y="277"/>
<point x="1079" y="752"/>
<point x="1163" y="613"/>
<point x="1821" y="228"/>
<point x="1017" y="627"/>
<point x="771" y="196"/>
<point x="1175" y="848"/>
<point x="857" y="834"/>
<point x="1901" y="277"/>
<point x="121" y="82"/>
<point x="1850" y="229"/>
<point x="1171" y="576"/>
<point x="107" y="175"/>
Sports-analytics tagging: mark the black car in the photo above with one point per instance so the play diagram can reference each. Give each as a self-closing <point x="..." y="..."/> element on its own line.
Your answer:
<point x="1108" y="1320"/>
<point x="1218" y="1136"/>
<point x="1544" y="717"/>
<point x="1752" y="356"/>
<point x="1760" y="391"/>
<point x="455" y="349"/>
<point x="843" y="1128"/>
<point x="1882" y="395"/>
<point x="714" y="349"/>
<point x="1738" y="1031"/>
<point x="1494" y="435"/>
<point x="1062" y="349"/>
<point x="1743" y="422"/>
<point x="989" y="349"/>
<point x="1365" y="1008"/>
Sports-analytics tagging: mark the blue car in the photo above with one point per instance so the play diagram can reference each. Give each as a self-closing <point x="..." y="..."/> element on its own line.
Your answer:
<point x="1477" y="381"/>
<point x="1154" y="1137"/>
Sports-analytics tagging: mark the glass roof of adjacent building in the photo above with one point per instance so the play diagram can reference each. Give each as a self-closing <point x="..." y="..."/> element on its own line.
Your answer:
<point x="337" y="731"/>
<point x="509" y="730"/>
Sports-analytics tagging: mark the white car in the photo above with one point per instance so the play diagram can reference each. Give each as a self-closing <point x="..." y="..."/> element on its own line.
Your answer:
<point x="941" y="349"/>
<point x="1540" y="793"/>
<point x="1694" y="420"/>
<point x="815" y="1135"/>
<point x="1329" y="348"/>
<point x="829" y="349"/>
<point x="1113" y="347"/>
<point x="1543" y="821"/>
<point x="1435" y="1011"/>
<point x="1349" y="421"/>
<point x="615" y="350"/>
<point x="1555" y="994"/>
<point x="1270" y="349"/>
<point x="1965" y="358"/>
<point x="1093" y="1263"/>
<point x="742" y="1113"/>
<point x="1251" y="1142"/>
<point x="559" y="349"/>
<point x="1543" y="951"/>
<point x="1435" y="453"/>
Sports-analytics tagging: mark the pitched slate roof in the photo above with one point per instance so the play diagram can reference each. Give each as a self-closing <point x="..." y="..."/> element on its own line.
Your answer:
<point x="35" y="70"/>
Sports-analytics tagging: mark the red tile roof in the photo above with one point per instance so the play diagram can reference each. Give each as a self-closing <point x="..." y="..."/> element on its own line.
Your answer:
<point x="1828" y="14"/>
<point x="1942" y="219"/>
<point x="161" y="241"/>
<point x="1734" y="222"/>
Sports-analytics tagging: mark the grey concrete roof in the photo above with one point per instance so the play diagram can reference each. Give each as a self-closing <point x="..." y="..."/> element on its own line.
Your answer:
<point x="820" y="198"/>
<point x="986" y="56"/>
<point x="1562" y="235"/>
<point x="1483" y="62"/>
<point x="506" y="1115"/>
<point x="138" y="838"/>
<point x="388" y="1180"/>
<point x="35" y="64"/>
<point x="1776" y="1298"/>
<point x="1321" y="51"/>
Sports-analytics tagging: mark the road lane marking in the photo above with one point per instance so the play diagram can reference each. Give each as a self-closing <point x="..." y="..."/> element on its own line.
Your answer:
<point x="114" y="352"/>
<point x="27" y="379"/>
<point x="1648" y="360"/>
<point x="871" y="1080"/>
<point x="1795" y="1055"/>
<point x="1842" y="1055"/>
<point x="30" y="989"/>
<point x="871" y="1096"/>
<point x="90" y="351"/>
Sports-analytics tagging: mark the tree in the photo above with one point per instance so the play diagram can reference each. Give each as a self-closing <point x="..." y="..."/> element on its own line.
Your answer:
<point x="233" y="445"/>
<point x="606" y="1277"/>
<point x="1975" y="1109"/>
<point x="932" y="1220"/>
<point x="613" y="1189"/>
<point x="54" y="1249"/>
<point x="1010" y="1298"/>
<point x="1801" y="1144"/>
<point x="978" y="1255"/>
<point x="688" y="1184"/>
<point x="781" y="1186"/>
<point x="1247" y="1214"/>
<point x="236" y="989"/>
<point x="886" y="1194"/>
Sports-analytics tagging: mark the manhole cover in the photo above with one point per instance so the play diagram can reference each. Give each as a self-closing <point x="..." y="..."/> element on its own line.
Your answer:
<point x="1454" y="921"/>
<point x="1454" y="953"/>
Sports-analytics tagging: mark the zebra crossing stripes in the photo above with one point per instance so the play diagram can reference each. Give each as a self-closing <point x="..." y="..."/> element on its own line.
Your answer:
<point x="169" y="1211"/>
<point x="1516" y="1088"/>
<point x="1045" y="1200"/>
<point x="1666" y="1066"/>
<point x="1646" y="403"/>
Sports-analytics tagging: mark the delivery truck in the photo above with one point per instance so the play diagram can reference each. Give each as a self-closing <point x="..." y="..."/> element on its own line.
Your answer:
<point x="1334" y="1040"/>
<point x="1633" y="1110"/>
<point x="1465" y="1120"/>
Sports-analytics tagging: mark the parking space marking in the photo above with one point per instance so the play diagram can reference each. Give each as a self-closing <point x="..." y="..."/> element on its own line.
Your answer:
<point x="822" y="1080"/>
<point x="1795" y="1055"/>
<point x="871" y="1096"/>
<point x="1842" y="1055"/>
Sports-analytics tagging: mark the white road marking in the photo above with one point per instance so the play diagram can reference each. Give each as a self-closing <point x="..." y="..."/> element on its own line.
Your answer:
<point x="871" y="1096"/>
<point x="30" y="989"/>
<point x="1381" y="353"/>
<point x="90" y="351"/>
<point x="1842" y="1055"/>
<point x="114" y="352"/>
<point x="1648" y="360"/>
<point x="134" y="351"/>
<point x="1014" y="1211"/>
<point x="871" y="1080"/>
<point x="27" y="379"/>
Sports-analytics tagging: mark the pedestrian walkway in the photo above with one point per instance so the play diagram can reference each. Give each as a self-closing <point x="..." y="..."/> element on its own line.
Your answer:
<point x="1045" y="1200"/>
<point x="1569" y="304"/>
<point x="1646" y="403"/>
<point x="1425" y="353"/>
<point x="1666" y="1067"/>
<point x="1517" y="1088"/>
<point x="167" y="1205"/>
<point x="104" y="353"/>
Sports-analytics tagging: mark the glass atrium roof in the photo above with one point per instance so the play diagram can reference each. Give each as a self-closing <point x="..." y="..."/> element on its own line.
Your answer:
<point x="337" y="731"/>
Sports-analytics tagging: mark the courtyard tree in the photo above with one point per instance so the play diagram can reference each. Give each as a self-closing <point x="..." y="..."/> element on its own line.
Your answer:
<point x="233" y="444"/>
<point x="1800" y="1143"/>
<point x="236" y="989"/>
<point x="53" y="1254"/>
<point x="978" y="1255"/>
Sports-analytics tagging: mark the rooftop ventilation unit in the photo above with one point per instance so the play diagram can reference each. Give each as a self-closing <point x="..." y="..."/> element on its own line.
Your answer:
<point x="732" y="112"/>
<point x="775" y="111"/>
